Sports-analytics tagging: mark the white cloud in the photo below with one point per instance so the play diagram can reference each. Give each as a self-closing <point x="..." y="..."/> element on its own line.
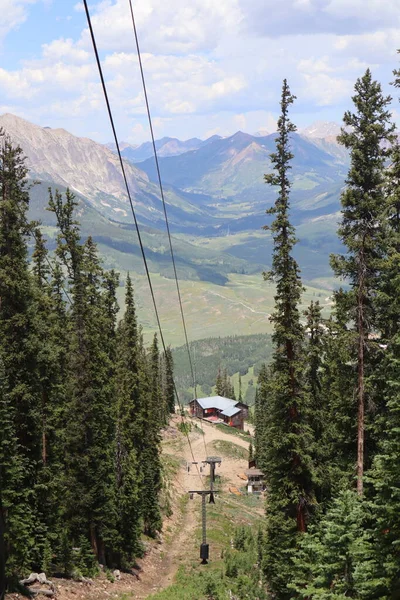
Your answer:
<point x="325" y="90"/>
<point x="64" y="49"/>
<point x="209" y="66"/>
<point x="175" y="26"/>
<point x="55" y="78"/>
<point x="290" y="17"/>
<point x="378" y="46"/>
<point x="13" y="13"/>
<point x="15" y="84"/>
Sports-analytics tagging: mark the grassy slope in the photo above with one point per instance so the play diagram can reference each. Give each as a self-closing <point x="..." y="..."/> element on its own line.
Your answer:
<point x="220" y="294"/>
<point x="198" y="582"/>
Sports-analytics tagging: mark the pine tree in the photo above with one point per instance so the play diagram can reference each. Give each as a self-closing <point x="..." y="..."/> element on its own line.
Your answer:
<point x="51" y="380"/>
<point x="287" y="461"/>
<point x="338" y="443"/>
<point x="336" y="560"/>
<point x="17" y="335"/>
<point x="19" y="439"/>
<point x="130" y="430"/>
<point x="169" y="391"/>
<point x="16" y="498"/>
<point x="387" y="301"/>
<point x="219" y="384"/>
<point x="150" y="458"/>
<point x="90" y="508"/>
<point x="361" y="226"/>
<point x="384" y="477"/>
<point x="223" y="385"/>
<point x="314" y="358"/>
<point x="261" y="418"/>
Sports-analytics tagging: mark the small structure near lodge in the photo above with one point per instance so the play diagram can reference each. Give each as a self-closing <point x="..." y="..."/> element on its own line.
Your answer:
<point x="255" y="481"/>
<point x="217" y="409"/>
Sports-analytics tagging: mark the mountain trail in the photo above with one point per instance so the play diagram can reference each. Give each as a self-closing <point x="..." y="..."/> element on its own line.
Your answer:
<point x="178" y="543"/>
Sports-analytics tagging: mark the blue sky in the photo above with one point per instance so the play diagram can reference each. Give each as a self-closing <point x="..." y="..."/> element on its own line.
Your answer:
<point x="213" y="66"/>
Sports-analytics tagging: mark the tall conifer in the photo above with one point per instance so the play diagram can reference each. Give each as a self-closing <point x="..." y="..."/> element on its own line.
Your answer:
<point x="19" y="398"/>
<point x="367" y="131"/>
<point x="288" y="463"/>
<point x="130" y="429"/>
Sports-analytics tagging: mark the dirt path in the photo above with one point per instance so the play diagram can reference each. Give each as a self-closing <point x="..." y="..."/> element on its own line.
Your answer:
<point x="159" y="569"/>
<point x="178" y="543"/>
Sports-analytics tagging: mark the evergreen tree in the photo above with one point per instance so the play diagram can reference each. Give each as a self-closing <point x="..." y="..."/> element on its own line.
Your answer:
<point x="336" y="560"/>
<point x="169" y="386"/>
<point x="219" y="384"/>
<point x="17" y="334"/>
<point x="19" y="398"/>
<point x="51" y="385"/>
<point x="223" y="385"/>
<point x="384" y="479"/>
<point x="287" y="460"/>
<point x="130" y="430"/>
<point x="338" y="378"/>
<point x="16" y="498"/>
<point x="387" y="301"/>
<point x="361" y="227"/>
<point x="90" y="414"/>
<point x="240" y="388"/>
<point x="314" y="358"/>
<point x="150" y="459"/>
<point x="261" y="418"/>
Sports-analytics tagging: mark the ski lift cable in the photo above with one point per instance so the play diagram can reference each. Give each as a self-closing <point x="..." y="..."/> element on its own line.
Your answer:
<point x="111" y="118"/>
<point x="139" y="55"/>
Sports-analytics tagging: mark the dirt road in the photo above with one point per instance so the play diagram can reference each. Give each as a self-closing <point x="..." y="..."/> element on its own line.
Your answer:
<point x="178" y="542"/>
<point x="182" y="543"/>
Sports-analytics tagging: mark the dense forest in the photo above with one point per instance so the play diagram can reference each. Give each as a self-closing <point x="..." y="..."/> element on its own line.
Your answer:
<point x="328" y="405"/>
<point x="233" y="354"/>
<point x="82" y="401"/>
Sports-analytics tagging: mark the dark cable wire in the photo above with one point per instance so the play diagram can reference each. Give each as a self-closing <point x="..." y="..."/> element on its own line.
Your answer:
<point x="164" y="207"/>
<point x="133" y="210"/>
<point x="162" y="194"/>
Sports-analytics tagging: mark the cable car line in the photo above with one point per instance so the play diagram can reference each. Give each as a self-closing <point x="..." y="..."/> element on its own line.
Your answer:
<point x="139" y="55"/>
<point x="105" y="93"/>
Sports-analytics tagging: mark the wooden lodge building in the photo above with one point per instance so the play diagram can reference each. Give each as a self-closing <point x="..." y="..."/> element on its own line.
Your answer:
<point x="217" y="409"/>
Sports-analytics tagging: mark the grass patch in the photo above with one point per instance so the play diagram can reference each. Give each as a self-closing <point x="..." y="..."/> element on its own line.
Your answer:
<point x="231" y="450"/>
<point x="234" y="431"/>
<point x="230" y="569"/>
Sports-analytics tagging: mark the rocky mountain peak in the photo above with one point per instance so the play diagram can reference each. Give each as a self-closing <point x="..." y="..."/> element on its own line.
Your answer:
<point x="321" y="130"/>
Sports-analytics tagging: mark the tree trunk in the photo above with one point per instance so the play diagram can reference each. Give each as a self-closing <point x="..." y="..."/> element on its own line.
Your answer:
<point x="44" y="429"/>
<point x="301" y="518"/>
<point x="360" y="386"/>
<point x="2" y="555"/>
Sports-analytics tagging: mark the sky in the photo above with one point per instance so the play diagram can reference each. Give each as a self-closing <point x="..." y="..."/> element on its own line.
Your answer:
<point x="212" y="66"/>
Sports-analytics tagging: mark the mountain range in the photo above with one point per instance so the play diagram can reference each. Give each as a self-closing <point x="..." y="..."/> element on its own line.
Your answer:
<point x="166" y="146"/>
<point x="216" y="201"/>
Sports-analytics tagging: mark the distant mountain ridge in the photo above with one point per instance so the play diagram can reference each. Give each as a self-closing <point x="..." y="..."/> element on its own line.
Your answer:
<point x="215" y="191"/>
<point x="230" y="172"/>
<point x="165" y="146"/>
<point x="321" y="130"/>
<point x="93" y="171"/>
<point x="168" y="146"/>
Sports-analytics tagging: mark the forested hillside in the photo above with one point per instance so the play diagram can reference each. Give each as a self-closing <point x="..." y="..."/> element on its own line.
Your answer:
<point x="82" y="400"/>
<point x="233" y="354"/>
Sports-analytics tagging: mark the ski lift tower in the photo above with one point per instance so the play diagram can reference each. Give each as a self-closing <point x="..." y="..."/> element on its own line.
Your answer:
<point x="213" y="461"/>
